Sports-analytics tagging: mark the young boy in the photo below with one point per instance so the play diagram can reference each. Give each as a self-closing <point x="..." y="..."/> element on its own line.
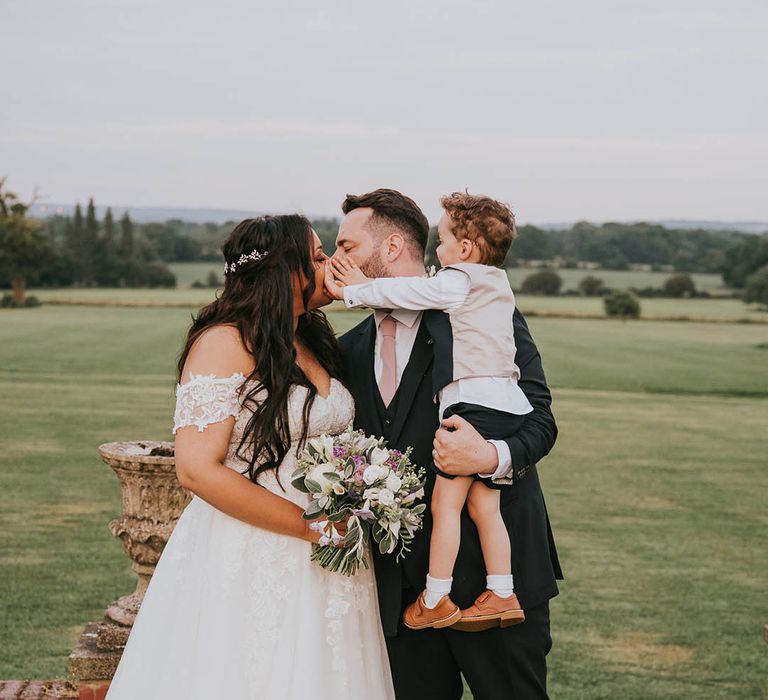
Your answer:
<point x="476" y="378"/>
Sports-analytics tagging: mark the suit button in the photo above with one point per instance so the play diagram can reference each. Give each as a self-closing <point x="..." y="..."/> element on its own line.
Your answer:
<point x="387" y="422"/>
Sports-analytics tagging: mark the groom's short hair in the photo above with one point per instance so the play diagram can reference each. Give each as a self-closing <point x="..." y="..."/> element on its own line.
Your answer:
<point x="392" y="209"/>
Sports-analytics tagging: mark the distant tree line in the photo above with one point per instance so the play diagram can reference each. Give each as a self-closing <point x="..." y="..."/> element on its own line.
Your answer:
<point x="85" y="251"/>
<point x="615" y="246"/>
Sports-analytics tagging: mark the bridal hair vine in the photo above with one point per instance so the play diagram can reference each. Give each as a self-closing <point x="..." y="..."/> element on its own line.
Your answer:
<point x="252" y="256"/>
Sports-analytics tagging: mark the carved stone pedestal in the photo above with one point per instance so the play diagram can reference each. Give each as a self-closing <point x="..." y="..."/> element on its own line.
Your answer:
<point x="153" y="501"/>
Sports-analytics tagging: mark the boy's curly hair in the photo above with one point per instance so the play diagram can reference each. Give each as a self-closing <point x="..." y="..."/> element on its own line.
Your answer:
<point x="490" y="224"/>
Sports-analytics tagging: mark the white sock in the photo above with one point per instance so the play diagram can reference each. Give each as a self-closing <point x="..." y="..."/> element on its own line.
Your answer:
<point x="500" y="584"/>
<point x="436" y="589"/>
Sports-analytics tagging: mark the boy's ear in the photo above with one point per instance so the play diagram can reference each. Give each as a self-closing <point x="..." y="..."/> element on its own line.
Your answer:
<point x="465" y="249"/>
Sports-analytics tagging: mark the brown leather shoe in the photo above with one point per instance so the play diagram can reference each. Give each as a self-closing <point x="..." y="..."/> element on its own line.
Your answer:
<point x="418" y="616"/>
<point x="489" y="611"/>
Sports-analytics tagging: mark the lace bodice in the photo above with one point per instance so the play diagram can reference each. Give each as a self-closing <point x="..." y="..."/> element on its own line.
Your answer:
<point x="207" y="399"/>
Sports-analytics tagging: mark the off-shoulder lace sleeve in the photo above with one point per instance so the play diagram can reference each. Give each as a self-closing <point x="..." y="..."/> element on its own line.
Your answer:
<point x="206" y="399"/>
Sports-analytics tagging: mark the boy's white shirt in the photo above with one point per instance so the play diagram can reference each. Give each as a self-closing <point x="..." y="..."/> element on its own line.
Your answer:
<point x="408" y="297"/>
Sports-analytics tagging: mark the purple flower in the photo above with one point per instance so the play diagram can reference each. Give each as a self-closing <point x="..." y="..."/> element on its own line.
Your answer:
<point x="358" y="460"/>
<point x="338" y="452"/>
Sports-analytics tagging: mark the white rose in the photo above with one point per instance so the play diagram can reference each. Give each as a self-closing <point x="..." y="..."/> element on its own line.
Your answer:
<point x="370" y="495"/>
<point x="394" y="482"/>
<point x="379" y="455"/>
<point x="386" y="497"/>
<point x="372" y="474"/>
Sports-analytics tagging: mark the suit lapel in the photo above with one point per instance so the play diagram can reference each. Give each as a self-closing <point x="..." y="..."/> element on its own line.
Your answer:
<point x="362" y="378"/>
<point x="414" y="373"/>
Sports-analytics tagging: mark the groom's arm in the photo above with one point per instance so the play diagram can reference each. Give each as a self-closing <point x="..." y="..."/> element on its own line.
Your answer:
<point x="464" y="452"/>
<point x="539" y="432"/>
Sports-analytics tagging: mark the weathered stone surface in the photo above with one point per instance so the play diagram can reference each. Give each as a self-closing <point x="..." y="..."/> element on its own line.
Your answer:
<point x="87" y="662"/>
<point x="153" y="501"/>
<point x="38" y="690"/>
<point x="11" y="689"/>
<point x="111" y="636"/>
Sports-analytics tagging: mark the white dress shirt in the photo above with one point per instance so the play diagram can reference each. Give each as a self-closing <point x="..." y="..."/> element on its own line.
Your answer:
<point x="446" y="290"/>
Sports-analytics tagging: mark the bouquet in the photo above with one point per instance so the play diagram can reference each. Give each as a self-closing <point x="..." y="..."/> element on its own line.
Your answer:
<point x="354" y="479"/>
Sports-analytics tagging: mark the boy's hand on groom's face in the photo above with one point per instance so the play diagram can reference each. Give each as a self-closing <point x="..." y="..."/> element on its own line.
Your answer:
<point x="459" y="450"/>
<point x="347" y="270"/>
<point x="332" y="286"/>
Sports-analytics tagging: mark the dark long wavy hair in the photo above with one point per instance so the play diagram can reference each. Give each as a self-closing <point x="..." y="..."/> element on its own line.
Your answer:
<point x="258" y="298"/>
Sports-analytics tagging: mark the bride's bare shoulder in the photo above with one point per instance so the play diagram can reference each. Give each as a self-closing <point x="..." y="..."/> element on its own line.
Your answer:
<point x="218" y="350"/>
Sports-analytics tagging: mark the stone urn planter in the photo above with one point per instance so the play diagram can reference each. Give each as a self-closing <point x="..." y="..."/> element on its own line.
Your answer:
<point x="153" y="501"/>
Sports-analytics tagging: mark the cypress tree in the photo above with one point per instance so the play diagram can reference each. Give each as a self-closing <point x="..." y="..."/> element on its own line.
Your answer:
<point x="76" y="244"/>
<point x="90" y="243"/>
<point x="126" y="237"/>
<point x="109" y="234"/>
<point x="77" y="226"/>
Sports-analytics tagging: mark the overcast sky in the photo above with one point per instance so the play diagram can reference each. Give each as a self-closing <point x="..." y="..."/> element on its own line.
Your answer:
<point x="596" y="109"/>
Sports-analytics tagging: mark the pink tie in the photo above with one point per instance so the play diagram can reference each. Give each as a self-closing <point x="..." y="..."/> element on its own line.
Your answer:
<point x="388" y="381"/>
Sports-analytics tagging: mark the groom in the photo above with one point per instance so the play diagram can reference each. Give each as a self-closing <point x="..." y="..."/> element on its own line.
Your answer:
<point x="385" y="233"/>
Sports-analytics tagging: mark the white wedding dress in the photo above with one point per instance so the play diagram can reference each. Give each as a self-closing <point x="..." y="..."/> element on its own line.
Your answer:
<point x="239" y="613"/>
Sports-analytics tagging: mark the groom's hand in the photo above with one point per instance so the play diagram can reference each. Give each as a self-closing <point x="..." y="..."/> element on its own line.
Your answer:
<point x="460" y="450"/>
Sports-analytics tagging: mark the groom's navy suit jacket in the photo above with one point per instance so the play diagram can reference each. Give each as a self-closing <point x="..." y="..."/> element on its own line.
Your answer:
<point x="534" y="559"/>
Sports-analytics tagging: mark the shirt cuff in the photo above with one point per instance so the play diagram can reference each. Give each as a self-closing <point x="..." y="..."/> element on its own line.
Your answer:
<point x="349" y="297"/>
<point x="505" y="460"/>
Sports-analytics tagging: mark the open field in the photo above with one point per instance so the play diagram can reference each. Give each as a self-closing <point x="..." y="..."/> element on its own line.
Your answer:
<point x="187" y="272"/>
<point x="714" y="309"/>
<point x="697" y="309"/>
<point x="656" y="490"/>
<point x="621" y="279"/>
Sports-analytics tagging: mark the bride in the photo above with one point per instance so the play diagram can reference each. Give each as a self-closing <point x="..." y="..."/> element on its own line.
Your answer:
<point x="235" y="608"/>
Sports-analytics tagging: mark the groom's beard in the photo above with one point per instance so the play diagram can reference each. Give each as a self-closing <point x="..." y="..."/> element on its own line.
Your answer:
<point x="374" y="266"/>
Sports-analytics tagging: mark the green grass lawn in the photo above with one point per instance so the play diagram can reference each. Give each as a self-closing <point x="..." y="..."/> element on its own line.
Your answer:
<point x="188" y="272"/>
<point x="656" y="490"/>
<point x="712" y="309"/>
<point x="716" y="309"/>
<point x="621" y="279"/>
